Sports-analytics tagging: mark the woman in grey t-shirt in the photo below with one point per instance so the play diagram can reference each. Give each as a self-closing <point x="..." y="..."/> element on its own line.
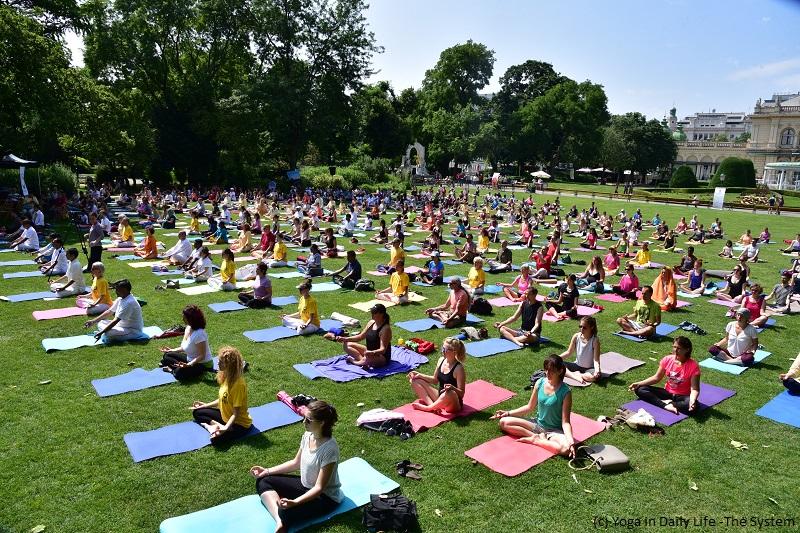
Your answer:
<point x="316" y="491"/>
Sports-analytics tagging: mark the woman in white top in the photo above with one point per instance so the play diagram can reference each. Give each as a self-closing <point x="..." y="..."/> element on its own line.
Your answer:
<point x="204" y="267"/>
<point x="71" y="283"/>
<point x="740" y="342"/>
<point x="316" y="491"/>
<point x="193" y="356"/>
<point x="586" y="348"/>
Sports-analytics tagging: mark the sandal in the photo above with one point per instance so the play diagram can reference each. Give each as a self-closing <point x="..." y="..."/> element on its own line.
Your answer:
<point x="402" y="471"/>
<point x="408" y="465"/>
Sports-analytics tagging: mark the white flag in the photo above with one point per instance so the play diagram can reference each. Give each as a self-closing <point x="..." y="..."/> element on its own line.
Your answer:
<point x="22" y="181"/>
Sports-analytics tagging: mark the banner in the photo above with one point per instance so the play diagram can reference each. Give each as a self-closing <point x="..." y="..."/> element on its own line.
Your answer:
<point x="719" y="198"/>
<point x="22" y="181"/>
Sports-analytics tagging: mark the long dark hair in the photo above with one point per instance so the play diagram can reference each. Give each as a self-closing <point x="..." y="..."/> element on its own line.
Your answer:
<point x="325" y="414"/>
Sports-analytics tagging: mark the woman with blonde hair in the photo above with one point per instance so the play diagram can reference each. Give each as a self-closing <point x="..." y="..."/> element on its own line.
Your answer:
<point x="226" y="418"/>
<point x="99" y="300"/>
<point x="449" y="376"/>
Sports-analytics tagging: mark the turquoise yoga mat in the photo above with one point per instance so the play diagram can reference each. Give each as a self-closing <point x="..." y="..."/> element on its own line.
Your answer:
<point x="248" y="515"/>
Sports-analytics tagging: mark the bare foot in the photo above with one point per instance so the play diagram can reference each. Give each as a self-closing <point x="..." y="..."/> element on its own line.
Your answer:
<point x="419" y="406"/>
<point x="668" y="406"/>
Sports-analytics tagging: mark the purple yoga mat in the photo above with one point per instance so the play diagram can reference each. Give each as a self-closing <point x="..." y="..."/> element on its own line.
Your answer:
<point x="710" y="395"/>
<point x="338" y="369"/>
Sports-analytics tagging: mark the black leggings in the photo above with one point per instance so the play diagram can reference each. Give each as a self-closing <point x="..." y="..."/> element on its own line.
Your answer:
<point x="252" y="302"/>
<point x="181" y="373"/>
<point x="559" y="308"/>
<point x="631" y="295"/>
<point x="290" y="487"/>
<point x="95" y="255"/>
<point x="657" y="395"/>
<point x="207" y="415"/>
<point x="792" y="385"/>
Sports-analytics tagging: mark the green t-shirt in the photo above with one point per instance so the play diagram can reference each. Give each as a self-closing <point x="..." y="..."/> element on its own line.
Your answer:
<point x="647" y="312"/>
<point x="549" y="408"/>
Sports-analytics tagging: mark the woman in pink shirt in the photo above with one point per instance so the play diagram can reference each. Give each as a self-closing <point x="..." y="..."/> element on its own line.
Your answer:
<point x="756" y="304"/>
<point x="628" y="284"/>
<point x="682" y="388"/>
<point x="611" y="261"/>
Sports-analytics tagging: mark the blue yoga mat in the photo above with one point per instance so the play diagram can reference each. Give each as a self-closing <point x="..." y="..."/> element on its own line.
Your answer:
<point x="129" y="257"/>
<point x="188" y="436"/>
<point x="768" y="324"/>
<point x="759" y="356"/>
<point x="424" y="324"/>
<point x="19" y="262"/>
<point x="783" y="408"/>
<point x="284" y="300"/>
<point x="662" y="330"/>
<point x="79" y="341"/>
<point x="452" y="262"/>
<point x="181" y="281"/>
<point x="286" y="275"/>
<point x="28" y="296"/>
<point x="338" y="369"/>
<point x="447" y="279"/>
<point x="327" y="286"/>
<point x="169" y="273"/>
<point x="224" y="307"/>
<point x="248" y="515"/>
<point x="282" y="332"/>
<point x="308" y="370"/>
<point x="136" y="379"/>
<point x="31" y="274"/>
<point x="489" y="347"/>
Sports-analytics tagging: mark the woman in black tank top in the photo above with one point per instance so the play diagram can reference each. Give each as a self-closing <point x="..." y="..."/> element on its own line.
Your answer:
<point x="444" y="390"/>
<point x="378" y="337"/>
<point x="736" y="284"/>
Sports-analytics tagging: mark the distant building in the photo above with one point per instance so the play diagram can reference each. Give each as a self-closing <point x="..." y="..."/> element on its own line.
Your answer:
<point x="711" y="126"/>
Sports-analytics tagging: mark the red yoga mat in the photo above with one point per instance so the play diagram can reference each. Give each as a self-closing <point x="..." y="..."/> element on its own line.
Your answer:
<point x="63" y="312"/>
<point x="479" y="395"/>
<point x="510" y="457"/>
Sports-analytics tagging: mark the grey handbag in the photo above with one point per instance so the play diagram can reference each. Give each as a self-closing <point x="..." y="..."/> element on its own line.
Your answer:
<point x="607" y="458"/>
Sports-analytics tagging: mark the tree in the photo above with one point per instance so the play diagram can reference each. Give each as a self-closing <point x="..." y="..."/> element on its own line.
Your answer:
<point x="523" y="83"/>
<point x="380" y="126"/>
<point x="742" y="138"/>
<point x="735" y="172"/>
<point x="616" y="152"/>
<point x="683" y="178"/>
<point x="649" y="145"/>
<point x="721" y="138"/>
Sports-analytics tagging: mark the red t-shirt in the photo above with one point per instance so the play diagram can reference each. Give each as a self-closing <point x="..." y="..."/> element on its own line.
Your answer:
<point x="679" y="376"/>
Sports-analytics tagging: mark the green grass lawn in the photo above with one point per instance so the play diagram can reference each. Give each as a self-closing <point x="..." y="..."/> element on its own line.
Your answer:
<point x="63" y="462"/>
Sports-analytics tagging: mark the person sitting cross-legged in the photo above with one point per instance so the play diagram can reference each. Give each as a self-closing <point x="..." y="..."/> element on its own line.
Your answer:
<point x="644" y="319"/>
<point x="397" y="291"/>
<point x="453" y="312"/>
<point x="531" y="310"/>
<point x="450" y="378"/>
<point x="683" y="381"/>
<point x="193" y="357"/>
<point x="127" y="322"/>
<point x="377" y="334"/>
<point x="739" y="345"/>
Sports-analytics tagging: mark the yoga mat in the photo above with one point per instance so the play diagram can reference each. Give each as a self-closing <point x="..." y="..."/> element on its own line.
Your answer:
<point x="451" y="262"/>
<point x="144" y="264"/>
<point x="31" y="274"/>
<point x="447" y="279"/>
<point x="198" y="289"/>
<point x="424" y="324"/>
<point x="502" y="301"/>
<point x="225" y="307"/>
<point x="327" y="286"/>
<point x="479" y="395"/>
<point x="63" y="312"/>
<point x="181" y="281"/>
<point x="768" y="324"/>
<point x="79" y="341"/>
<point x="662" y="330"/>
<point x="615" y="298"/>
<point x="725" y="303"/>
<point x="282" y="332"/>
<point x="168" y="273"/>
<point x="366" y="306"/>
<point x="136" y="379"/>
<point x="376" y="273"/>
<point x="188" y="436"/>
<point x="284" y="300"/>
<point x="710" y="395"/>
<point x="488" y="347"/>
<point x="783" y="408"/>
<point x="507" y="456"/>
<point x="28" y="296"/>
<point x="687" y="295"/>
<point x="19" y="262"/>
<point x="287" y="275"/>
<point x="610" y="363"/>
<point x="338" y="369"/>
<point x="728" y="368"/>
<point x="582" y="311"/>
<point x="129" y="257"/>
<point x="606" y="287"/>
<point x="248" y="515"/>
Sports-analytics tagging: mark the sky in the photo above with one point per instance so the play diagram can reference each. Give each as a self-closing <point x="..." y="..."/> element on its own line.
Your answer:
<point x="649" y="55"/>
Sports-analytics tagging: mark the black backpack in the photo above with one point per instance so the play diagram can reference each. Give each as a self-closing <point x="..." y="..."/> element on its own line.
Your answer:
<point x="365" y="285"/>
<point x="481" y="306"/>
<point x="390" y="512"/>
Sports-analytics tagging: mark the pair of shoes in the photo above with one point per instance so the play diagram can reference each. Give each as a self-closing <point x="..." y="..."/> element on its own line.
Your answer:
<point x="408" y="469"/>
<point x="159" y="288"/>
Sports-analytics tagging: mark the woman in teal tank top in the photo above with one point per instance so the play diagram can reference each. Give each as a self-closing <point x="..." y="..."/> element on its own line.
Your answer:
<point x="551" y="399"/>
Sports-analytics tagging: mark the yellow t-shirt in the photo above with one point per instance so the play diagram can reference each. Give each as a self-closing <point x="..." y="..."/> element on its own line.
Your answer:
<point x="483" y="242"/>
<point x="126" y="233"/>
<point x="228" y="271"/>
<point x="100" y="290"/>
<point x="642" y="257"/>
<point x="308" y="308"/>
<point x="279" y="252"/>
<point x="397" y="254"/>
<point x="399" y="283"/>
<point x="476" y="278"/>
<point x="235" y="396"/>
<point x="194" y="224"/>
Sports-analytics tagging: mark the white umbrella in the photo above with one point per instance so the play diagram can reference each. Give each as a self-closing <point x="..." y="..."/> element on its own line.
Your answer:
<point x="585" y="169"/>
<point x="601" y="169"/>
<point x="540" y="174"/>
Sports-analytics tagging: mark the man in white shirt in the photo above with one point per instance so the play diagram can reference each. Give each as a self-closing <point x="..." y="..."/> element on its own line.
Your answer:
<point x="38" y="219"/>
<point x="57" y="266"/>
<point x="127" y="323"/>
<point x="750" y="253"/>
<point x="106" y="223"/>
<point x="348" y="227"/>
<point x="72" y="283"/>
<point x="28" y="241"/>
<point x="179" y="253"/>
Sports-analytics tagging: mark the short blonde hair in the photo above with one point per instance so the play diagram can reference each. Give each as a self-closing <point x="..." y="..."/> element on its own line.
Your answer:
<point x="477" y="260"/>
<point x="457" y="346"/>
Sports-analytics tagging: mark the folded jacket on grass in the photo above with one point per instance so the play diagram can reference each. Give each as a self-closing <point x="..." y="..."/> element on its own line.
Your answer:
<point x="188" y="436"/>
<point x="18" y="262"/>
<point x="611" y="363"/>
<point x="63" y="312"/>
<point x="489" y="347"/>
<point x="248" y="515"/>
<point x="136" y="379"/>
<point x="783" y="408"/>
<point x="79" y="341"/>
<point x="479" y="395"/>
<point x="28" y="296"/>
<point x="662" y="330"/>
<point x="282" y="332"/>
<point x="710" y="395"/>
<point x="15" y="275"/>
<point x="424" y="324"/>
<point x="728" y="368"/>
<point x="338" y="369"/>
<point x="507" y="456"/>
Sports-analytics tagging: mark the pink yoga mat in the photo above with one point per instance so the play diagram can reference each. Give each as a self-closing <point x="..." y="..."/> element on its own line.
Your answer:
<point x="376" y="273"/>
<point x="510" y="457"/>
<point x="725" y="303"/>
<point x="615" y="298"/>
<point x="118" y="250"/>
<point x="582" y="311"/>
<point x="502" y="302"/>
<point x="682" y="303"/>
<point x="412" y="269"/>
<point x="479" y="395"/>
<point x="59" y="313"/>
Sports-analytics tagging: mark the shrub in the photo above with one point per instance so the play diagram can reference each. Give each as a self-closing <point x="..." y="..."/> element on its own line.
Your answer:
<point x="738" y="172"/>
<point x="326" y="181"/>
<point x="58" y="177"/>
<point x="683" y="177"/>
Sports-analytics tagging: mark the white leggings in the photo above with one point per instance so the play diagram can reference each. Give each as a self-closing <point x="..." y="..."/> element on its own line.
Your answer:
<point x="296" y="323"/>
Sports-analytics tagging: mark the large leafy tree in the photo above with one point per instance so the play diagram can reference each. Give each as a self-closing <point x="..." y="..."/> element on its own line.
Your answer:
<point x="648" y="145"/>
<point x="380" y="127"/>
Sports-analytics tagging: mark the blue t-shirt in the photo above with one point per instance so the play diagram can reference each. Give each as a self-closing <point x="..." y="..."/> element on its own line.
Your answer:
<point x="548" y="408"/>
<point x="354" y="271"/>
<point x="436" y="271"/>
